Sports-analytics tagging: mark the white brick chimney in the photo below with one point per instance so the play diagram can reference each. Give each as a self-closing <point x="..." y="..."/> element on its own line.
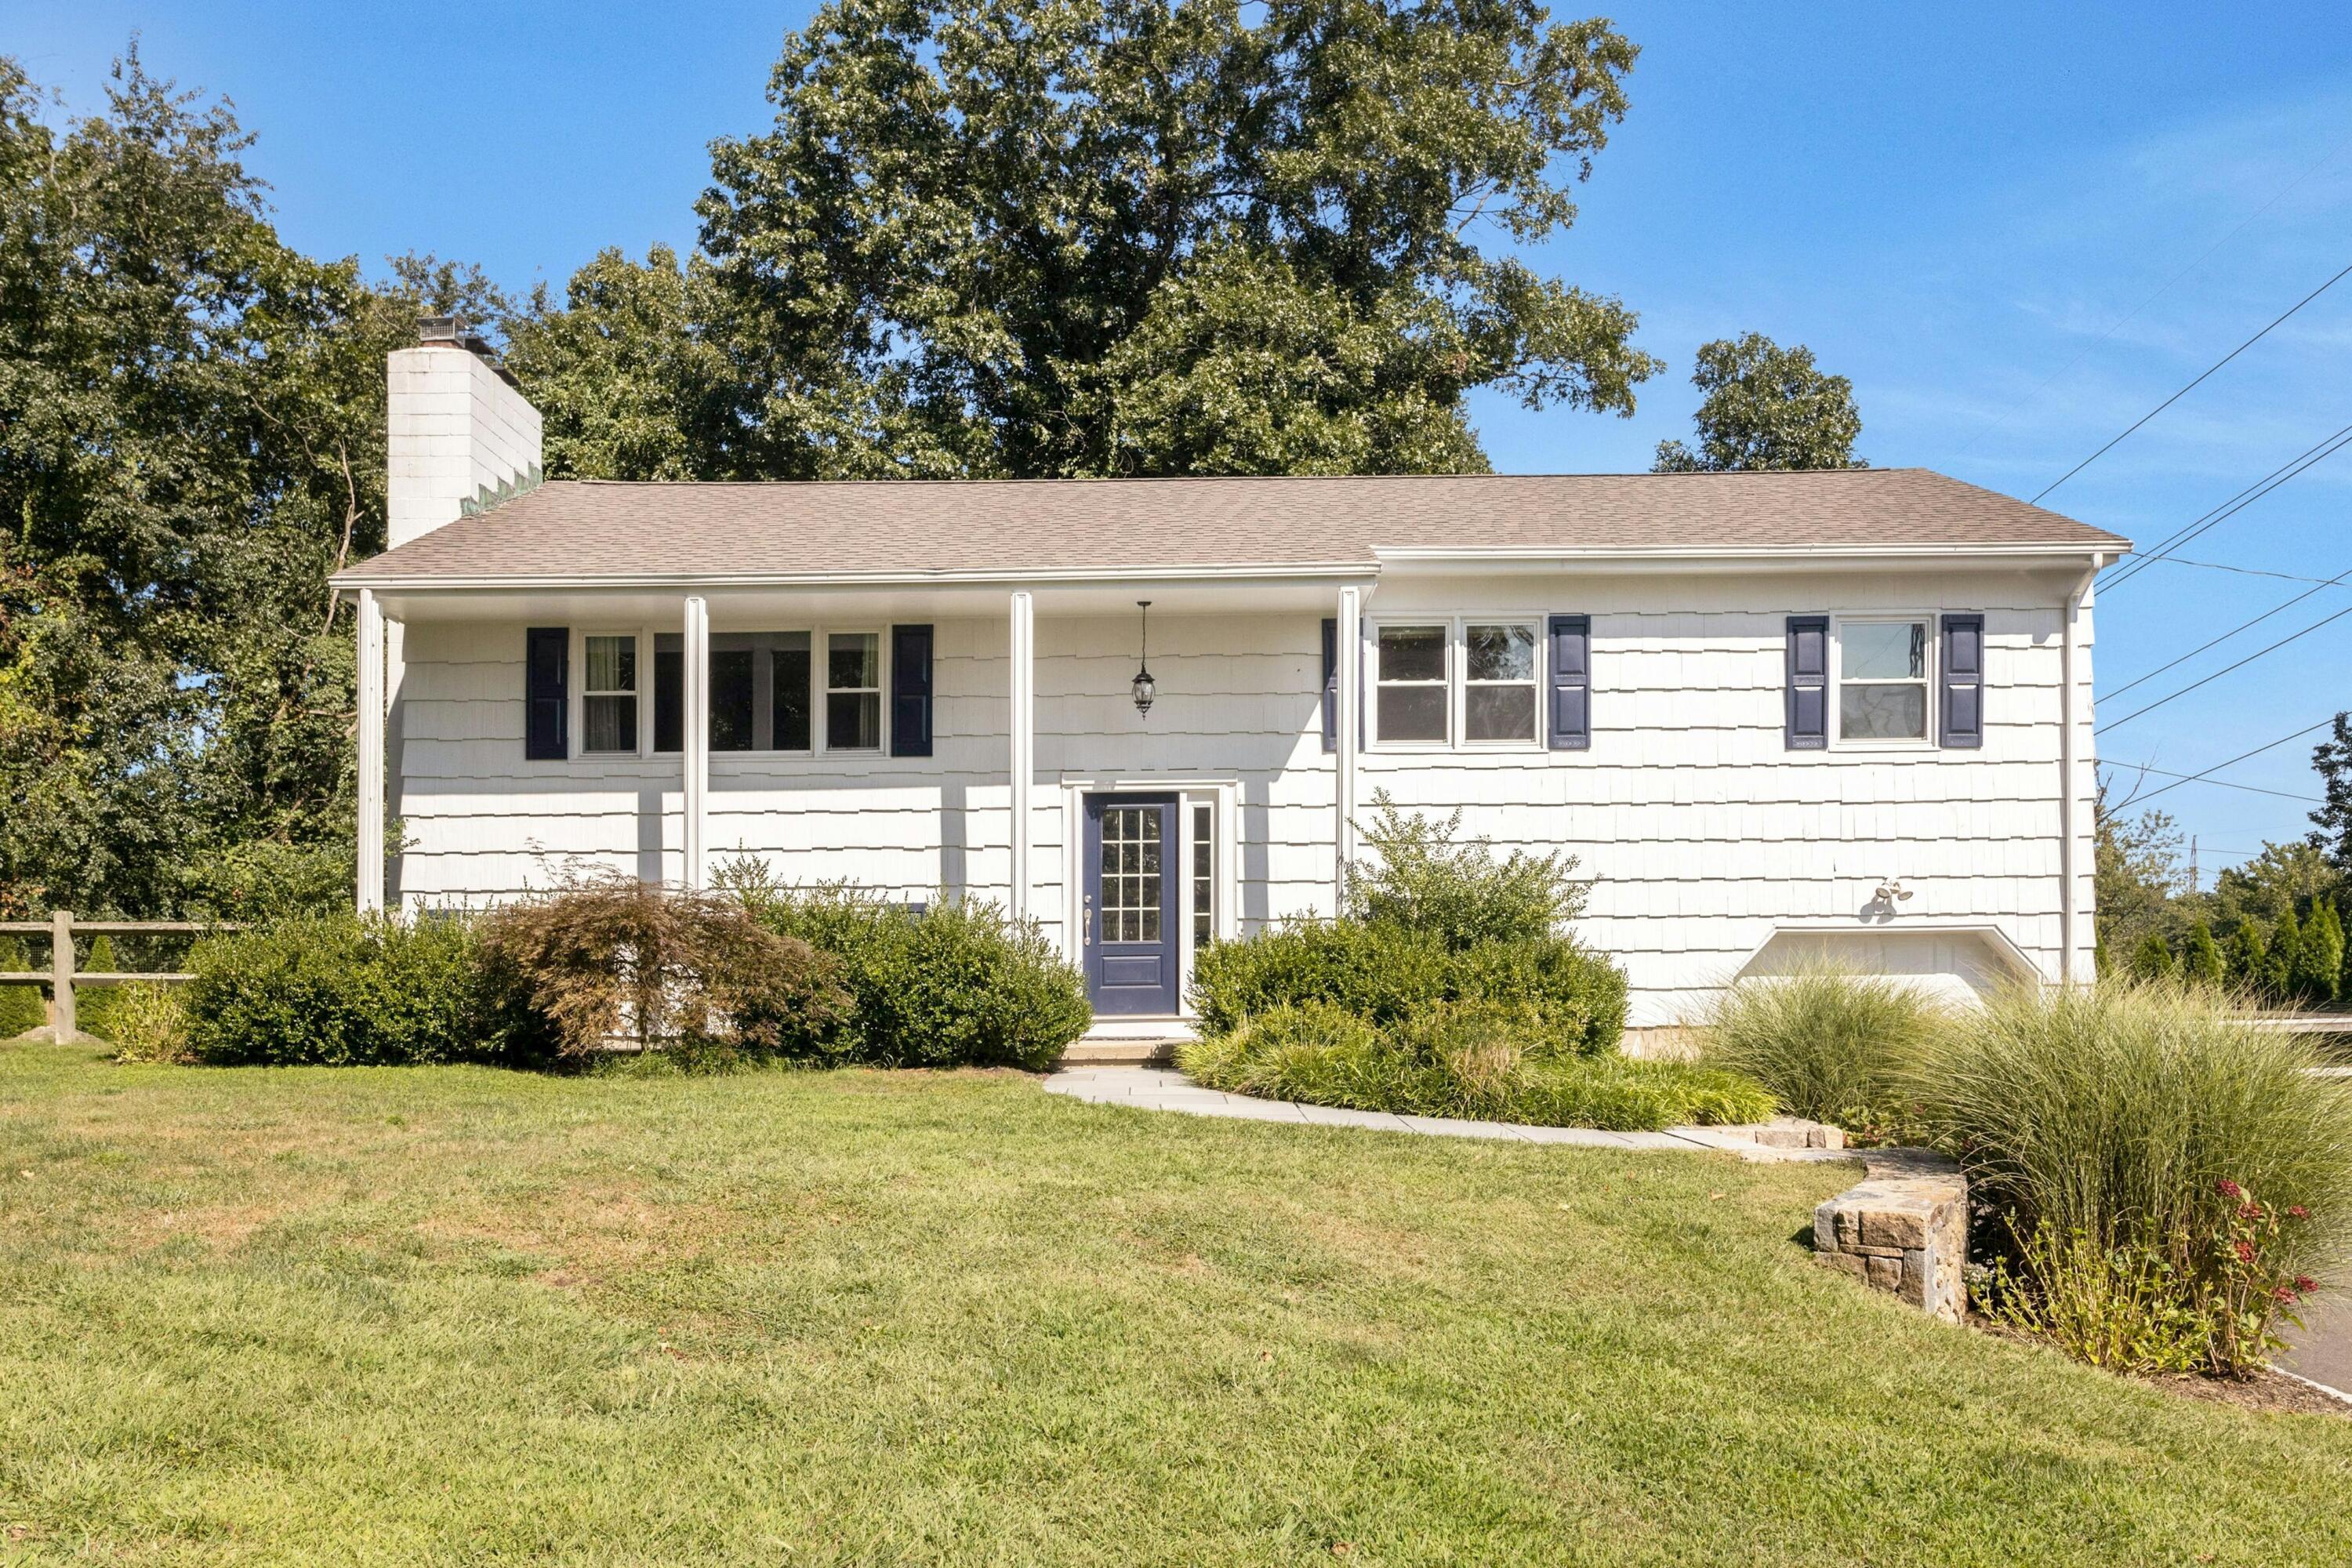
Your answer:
<point x="459" y="430"/>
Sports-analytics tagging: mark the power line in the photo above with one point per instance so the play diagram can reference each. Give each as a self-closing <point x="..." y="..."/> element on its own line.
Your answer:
<point x="2233" y="631"/>
<point x="2225" y="669"/>
<point x="2249" y="570"/>
<point x="2117" y="325"/>
<point x="2324" y="448"/>
<point x="2221" y="783"/>
<point x="2185" y="390"/>
<point x="2234" y="762"/>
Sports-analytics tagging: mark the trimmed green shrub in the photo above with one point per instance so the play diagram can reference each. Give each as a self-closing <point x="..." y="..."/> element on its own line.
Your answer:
<point x="2282" y="959"/>
<point x="1381" y="974"/>
<point x="2249" y="956"/>
<point x="2108" y="1126"/>
<point x="338" y="989"/>
<point x="1484" y="1060"/>
<point x="94" y="1006"/>
<point x="2320" y="957"/>
<point x="150" y="1025"/>
<point x="958" y="984"/>
<point x="1828" y="1043"/>
<point x="22" y="1007"/>
<point x="2201" y="960"/>
<point x="2153" y="960"/>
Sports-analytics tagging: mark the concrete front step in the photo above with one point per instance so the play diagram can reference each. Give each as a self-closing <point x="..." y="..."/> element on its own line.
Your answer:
<point x="1120" y="1052"/>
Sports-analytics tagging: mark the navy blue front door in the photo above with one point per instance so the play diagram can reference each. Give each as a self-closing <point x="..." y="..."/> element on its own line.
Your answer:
<point x="1129" y="903"/>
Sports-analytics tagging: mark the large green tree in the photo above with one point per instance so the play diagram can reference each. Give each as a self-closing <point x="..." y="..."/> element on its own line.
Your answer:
<point x="191" y="439"/>
<point x="1044" y="238"/>
<point x="1766" y="408"/>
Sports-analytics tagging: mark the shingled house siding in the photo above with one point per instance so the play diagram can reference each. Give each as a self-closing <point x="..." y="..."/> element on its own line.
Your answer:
<point x="1703" y="831"/>
<point x="485" y="827"/>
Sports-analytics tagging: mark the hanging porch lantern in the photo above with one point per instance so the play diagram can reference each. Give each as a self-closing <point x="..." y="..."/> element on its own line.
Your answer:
<point x="1145" y="688"/>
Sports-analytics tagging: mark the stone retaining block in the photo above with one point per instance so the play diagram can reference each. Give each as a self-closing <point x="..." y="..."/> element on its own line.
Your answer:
<point x="1905" y="1230"/>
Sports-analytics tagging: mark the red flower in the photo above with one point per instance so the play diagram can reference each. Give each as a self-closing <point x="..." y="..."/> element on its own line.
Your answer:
<point x="2245" y="1251"/>
<point x="2296" y="1210"/>
<point x="2284" y="1296"/>
<point x="2306" y="1283"/>
<point x="2250" y="1211"/>
<point x="2231" y="1189"/>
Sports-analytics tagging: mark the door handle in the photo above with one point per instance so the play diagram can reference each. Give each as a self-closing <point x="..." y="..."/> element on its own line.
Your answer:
<point x="1086" y="925"/>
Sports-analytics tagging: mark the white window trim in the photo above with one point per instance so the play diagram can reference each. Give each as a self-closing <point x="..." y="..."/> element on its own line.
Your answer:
<point x="1837" y="714"/>
<point x="821" y="682"/>
<point x="1458" y="680"/>
<point x="577" y="699"/>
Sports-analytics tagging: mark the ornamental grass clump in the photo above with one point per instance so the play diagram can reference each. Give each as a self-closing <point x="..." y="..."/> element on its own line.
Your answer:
<point x="1828" y="1042"/>
<point x="2164" y="1173"/>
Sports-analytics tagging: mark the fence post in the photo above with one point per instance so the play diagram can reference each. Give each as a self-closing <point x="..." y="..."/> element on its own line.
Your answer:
<point x="62" y="1027"/>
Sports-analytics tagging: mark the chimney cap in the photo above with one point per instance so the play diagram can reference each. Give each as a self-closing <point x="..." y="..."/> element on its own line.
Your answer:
<point x="453" y="332"/>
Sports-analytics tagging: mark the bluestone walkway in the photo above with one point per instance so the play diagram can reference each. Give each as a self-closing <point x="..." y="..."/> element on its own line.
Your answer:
<point x="1163" y="1088"/>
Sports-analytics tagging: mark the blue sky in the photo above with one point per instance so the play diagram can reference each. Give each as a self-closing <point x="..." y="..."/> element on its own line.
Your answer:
<point x="2016" y="227"/>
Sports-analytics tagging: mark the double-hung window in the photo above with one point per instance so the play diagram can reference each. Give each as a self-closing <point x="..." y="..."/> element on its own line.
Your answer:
<point x="1882" y="669"/>
<point x="1410" y="696"/>
<point x="853" y="691"/>
<point x="1469" y="681"/>
<point x="1498" y="682"/>
<point x="609" y="699"/>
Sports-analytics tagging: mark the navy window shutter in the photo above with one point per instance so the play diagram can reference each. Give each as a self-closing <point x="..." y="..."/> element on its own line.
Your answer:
<point x="1808" y="714"/>
<point x="547" y="719"/>
<point x="1330" y="683"/>
<point x="911" y="691"/>
<point x="1571" y="683"/>
<point x="1963" y="682"/>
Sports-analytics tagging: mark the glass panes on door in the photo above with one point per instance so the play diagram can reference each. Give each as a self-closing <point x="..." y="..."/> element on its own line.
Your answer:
<point x="1883" y="680"/>
<point x="1130" y="891"/>
<point x="1204" y="874"/>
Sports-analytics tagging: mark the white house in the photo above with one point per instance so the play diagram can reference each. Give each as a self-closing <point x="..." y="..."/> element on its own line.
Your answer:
<point x="1770" y="713"/>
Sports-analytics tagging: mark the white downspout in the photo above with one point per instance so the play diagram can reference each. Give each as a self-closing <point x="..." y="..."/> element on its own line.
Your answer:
<point x="2071" y="710"/>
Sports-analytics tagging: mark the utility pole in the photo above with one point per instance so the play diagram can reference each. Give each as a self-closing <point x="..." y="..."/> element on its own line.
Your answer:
<point x="2193" y="885"/>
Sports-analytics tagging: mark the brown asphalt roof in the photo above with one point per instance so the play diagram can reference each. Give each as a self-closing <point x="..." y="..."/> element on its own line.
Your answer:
<point x="586" y="530"/>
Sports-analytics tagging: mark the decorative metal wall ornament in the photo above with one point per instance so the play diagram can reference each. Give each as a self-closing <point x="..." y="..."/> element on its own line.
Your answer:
<point x="1144" y="686"/>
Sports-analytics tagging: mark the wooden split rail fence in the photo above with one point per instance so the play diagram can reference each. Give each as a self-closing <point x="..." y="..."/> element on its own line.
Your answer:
<point x="62" y="976"/>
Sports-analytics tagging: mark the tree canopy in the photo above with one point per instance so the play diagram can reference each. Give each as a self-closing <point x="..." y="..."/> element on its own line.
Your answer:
<point x="1766" y="408"/>
<point x="1047" y="237"/>
<point x="191" y="439"/>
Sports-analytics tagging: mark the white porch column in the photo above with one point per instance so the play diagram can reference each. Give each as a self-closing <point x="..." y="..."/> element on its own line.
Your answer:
<point x="370" y="760"/>
<point x="1351" y="725"/>
<point x="1022" y="728"/>
<point x="694" y="744"/>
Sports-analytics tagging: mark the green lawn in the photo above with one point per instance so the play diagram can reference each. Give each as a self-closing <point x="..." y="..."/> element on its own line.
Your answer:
<point x="451" y="1315"/>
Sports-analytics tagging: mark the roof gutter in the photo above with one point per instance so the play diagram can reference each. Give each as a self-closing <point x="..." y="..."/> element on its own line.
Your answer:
<point x="1742" y="558"/>
<point x="1337" y="570"/>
